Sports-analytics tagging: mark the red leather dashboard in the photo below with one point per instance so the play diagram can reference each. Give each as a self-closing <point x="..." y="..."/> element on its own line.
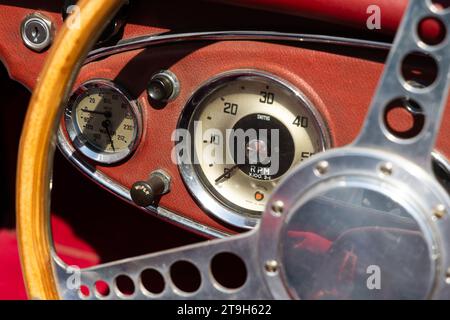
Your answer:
<point x="340" y="82"/>
<point x="344" y="113"/>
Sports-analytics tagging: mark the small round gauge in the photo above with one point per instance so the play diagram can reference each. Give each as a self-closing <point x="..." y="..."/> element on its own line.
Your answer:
<point x="103" y="122"/>
<point x="247" y="129"/>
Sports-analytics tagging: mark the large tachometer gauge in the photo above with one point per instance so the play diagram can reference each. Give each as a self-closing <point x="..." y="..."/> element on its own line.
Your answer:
<point x="103" y="122"/>
<point x="240" y="134"/>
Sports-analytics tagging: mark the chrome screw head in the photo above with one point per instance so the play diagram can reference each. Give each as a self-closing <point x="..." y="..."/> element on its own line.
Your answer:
<point x="277" y="208"/>
<point x="322" y="168"/>
<point x="271" y="266"/>
<point x="387" y="169"/>
<point x="439" y="211"/>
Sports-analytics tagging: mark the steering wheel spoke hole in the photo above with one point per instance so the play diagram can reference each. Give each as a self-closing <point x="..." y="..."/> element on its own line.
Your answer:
<point x="440" y="5"/>
<point x="102" y="289"/>
<point x="221" y="265"/>
<point x="125" y="287"/>
<point x="84" y="292"/>
<point x="419" y="71"/>
<point x="185" y="276"/>
<point x="152" y="282"/>
<point x="432" y="31"/>
<point x="404" y="118"/>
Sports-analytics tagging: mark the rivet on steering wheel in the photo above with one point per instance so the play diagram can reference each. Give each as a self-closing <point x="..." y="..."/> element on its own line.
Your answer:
<point x="439" y="211"/>
<point x="271" y="267"/>
<point x="322" y="168"/>
<point x="277" y="208"/>
<point x="387" y="169"/>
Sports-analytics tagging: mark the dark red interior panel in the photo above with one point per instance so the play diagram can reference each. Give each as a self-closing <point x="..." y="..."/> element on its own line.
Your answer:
<point x="153" y="17"/>
<point x="339" y="84"/>
<point x="355" y="13"/>
<point x="351" y="12"/>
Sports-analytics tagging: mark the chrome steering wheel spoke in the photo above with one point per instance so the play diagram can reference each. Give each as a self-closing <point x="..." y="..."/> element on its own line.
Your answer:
<point x="371" y="220"/>
<point x="407" y="84"/>
<point x="198" y="258"/>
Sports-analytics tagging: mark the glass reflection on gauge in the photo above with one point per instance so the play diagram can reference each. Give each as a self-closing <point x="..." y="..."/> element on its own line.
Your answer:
<point x="238" y="115"/>
<point x="103" y="122"/>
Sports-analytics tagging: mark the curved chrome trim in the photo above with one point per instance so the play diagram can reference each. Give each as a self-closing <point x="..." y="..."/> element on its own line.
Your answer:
<point x="164" y="38"/>
<point x="114" y="187"/>
<point x="216" y="205"/>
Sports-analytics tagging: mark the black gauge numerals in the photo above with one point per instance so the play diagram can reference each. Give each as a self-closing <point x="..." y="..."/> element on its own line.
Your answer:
<point x="267" y="97"/>
<point x="231" y="108"/>
<point x="301" y="122"/>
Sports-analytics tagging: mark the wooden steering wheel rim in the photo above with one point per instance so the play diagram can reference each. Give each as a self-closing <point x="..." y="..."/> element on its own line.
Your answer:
<point x="37" y="143"/>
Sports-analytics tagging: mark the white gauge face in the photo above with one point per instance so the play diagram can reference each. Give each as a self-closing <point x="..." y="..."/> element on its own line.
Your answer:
<point x="102" y="122"/>
<point x="105" y="119"/>
<point x="248" y="133"/>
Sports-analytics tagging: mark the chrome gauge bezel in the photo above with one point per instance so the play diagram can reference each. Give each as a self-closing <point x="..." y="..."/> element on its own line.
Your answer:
<point x="75" y="135"/>
<point x="195" y="182"/>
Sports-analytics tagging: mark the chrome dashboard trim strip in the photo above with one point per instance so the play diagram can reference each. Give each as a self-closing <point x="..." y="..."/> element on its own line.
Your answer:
<point x="114" y="187"/>
<point x="168" y="38"/>
<point x="164" y="38"/>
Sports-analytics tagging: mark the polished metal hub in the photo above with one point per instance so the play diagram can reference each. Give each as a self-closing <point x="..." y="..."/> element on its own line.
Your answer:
<point x="357" y="231"/>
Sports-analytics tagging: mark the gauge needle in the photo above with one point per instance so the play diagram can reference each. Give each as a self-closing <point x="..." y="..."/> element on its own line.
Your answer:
<point x="227" y="173"/>
<point x="107" y="114"/>
<point x="106" y="124"/>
